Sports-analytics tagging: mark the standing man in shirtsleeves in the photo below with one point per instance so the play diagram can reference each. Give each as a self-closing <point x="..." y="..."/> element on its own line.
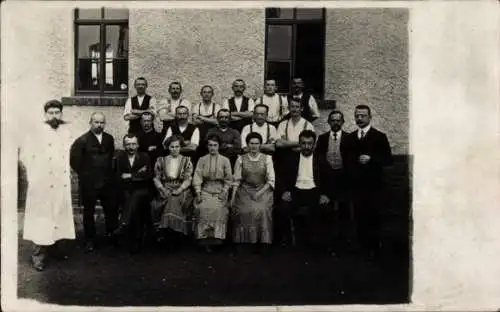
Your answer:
<point x="45" y="155"/>
<point x="277" y="104"/>
<point x="166" y="112"/>
<point x="240" y="106"/>
<point x="136" y="105"/>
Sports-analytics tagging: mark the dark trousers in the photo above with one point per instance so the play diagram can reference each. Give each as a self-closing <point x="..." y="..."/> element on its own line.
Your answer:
<point x="90" y="195"/>
<point x="298" y="219"/>
<point x="135" y="211"/>
<point x="366" y="205"/>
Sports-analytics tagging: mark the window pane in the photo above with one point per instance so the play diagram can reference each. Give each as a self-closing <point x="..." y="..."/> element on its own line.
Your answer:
<point x="279" y="41"/>
<point x="116" y="58"/>
<point x="309" y="14"/>
<point x="89" y="13"/>
<point x="280" y="71"/>
<point x="282" y="13"/>
<point x="87" y="63"/>
<point x="111" y="13"/>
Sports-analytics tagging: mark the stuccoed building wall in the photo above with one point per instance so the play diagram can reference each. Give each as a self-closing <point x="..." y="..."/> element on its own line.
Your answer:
<point x="197" y="47"/>
<point x="366" y="62"/>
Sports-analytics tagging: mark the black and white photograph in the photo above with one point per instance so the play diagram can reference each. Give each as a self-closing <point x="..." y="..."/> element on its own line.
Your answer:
<point x="257" y="155"/>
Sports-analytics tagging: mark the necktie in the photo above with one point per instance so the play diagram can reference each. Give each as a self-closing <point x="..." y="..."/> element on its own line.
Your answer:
<point x="362" y="134"/>
<point x="335" y="136"/>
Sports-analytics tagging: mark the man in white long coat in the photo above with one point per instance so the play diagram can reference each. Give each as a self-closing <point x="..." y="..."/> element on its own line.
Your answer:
<point x="45" y="155"/>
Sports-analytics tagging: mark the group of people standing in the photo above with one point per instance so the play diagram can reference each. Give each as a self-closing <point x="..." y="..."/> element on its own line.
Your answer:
<point x="251" y="172"/>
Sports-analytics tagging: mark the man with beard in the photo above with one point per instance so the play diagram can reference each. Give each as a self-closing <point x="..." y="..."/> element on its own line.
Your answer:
<point x="187" y="131"/>
<point x="277" y="105"/>
<point x="259" y="125"/>
<point x="240" y="106"/>
<point x="136" y="105"/>
<point x="230" y="145"/>
<point x="287" y="146"/>
<point x="150" y="141"/>
<point x="166" y="112"/>
<point x="48" y="217"/>
<point x="366" y="152"/>
<point x="303" y="192"/>
<point x="329" y="148"/>
<point x="309" y="105"/>
<point x="134" y="173"/>
<point x="92" y="159"/>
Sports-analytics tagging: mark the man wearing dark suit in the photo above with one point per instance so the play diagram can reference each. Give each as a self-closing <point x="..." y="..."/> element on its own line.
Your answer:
<point x="150" y="140"/>
<point x="366" y="152"/>
<point x="134" y="173"/>
<point x="303" y="191"/>
<point x="337" y="220"/>
<point x="91" y="157"/>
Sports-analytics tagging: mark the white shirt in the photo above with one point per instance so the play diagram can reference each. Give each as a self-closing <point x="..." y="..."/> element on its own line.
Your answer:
<point x="99" y="137"/>
<point x="293" y="129"/>
<point x="339" y="135"/>
<point x="170" y="105"/>
<point x="305" y="176"/>
<point x="131" y="160"/>
<point x="206" y="110"/>
<point x="273" y="103"/>
<point x="313" y="105"/>
<point x="173" y="166"/>
<point x="365" y="131"/>
<point x="238" y="101"/>
<point x="128" y="105"/>
<point x="262" y="130"/>
<point x="195" y="138"/>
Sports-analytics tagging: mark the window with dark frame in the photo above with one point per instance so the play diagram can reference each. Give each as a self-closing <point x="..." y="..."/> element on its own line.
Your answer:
<point x="101" y="51"/>
<point x="295" y="47"/>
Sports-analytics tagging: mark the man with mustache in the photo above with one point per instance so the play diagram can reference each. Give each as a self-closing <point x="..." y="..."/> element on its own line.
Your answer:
<point x="366" y="151"/>
<point x="230" y="145"/>
<point x="48" y="217"/>
<point x="166" y="112"/>
<point x="304" y="186"/>
<point x="92" y="159"/>
<point x="309" y="105"/>
<point x="262" y="127"/>
<point x="134" y="172"/>
<point x="277" y="104"/>
<point x="240" y="106"/>
<point x="189" y="132"/>
<point x="136" y="105"/>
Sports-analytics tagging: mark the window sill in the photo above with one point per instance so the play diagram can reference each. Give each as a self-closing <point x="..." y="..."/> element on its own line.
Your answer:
<point x="88" y="100"/>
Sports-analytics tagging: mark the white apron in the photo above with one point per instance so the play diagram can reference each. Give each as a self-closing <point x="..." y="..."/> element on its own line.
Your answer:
<point x="49" y="213"/>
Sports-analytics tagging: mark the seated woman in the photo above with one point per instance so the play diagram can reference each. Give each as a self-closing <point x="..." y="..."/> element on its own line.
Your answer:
<point x="172" y="206"/>
<point x="211" y="181"/>
<point x="252" y="198"/>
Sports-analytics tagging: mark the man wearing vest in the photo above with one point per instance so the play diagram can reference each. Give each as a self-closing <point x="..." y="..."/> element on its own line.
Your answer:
<point x="287" y="146"/>
<point x="186" y="130"/>
<point x="366" y="152"/>
<point x="329" y="148"/>
<point x="240" y="106"/>
<point x="259" y="125"/>
<point x="230" y="138"/>
<point x="277" y="104"/>
<point x="138" y="104"/>
<point x="166" y="112"/>
<point x="309" y="106"/>
<point x="303" y="193"/>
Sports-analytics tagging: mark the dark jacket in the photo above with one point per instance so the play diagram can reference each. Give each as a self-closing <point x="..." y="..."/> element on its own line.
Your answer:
<point x="141" y="170"/>
<point x="324" y="140"/>
<point x="148" y="139"/>
<point x="374" y="144"/>
<point x="93" y="161"/>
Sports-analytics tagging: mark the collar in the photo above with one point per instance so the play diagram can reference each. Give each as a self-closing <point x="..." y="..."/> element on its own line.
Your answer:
<point x="298" y="95"/>
<point x="256" y="125"/>
<point x="306" y="157"/>
<point x="224" y="130"/>
<point x="365" y="129"/>
<point x="339" y="133"/>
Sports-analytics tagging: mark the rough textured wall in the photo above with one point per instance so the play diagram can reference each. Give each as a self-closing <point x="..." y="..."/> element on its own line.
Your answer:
<point x="366" y="62"/>
<point x="38" y="66"/>
<point x="197" y="47"/>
